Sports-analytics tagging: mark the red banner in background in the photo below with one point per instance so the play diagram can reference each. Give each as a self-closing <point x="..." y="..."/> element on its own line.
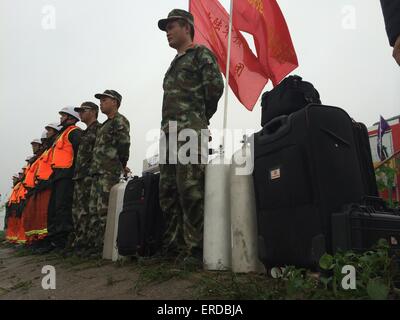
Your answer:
<point x="247" y="77"/>
<point x="264" y="20"/>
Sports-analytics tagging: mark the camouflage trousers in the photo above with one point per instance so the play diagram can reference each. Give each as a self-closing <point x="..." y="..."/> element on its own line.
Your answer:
<point x="98" y="207"/>
<point x="80" y="212"/>
<point x="181" y="195"/>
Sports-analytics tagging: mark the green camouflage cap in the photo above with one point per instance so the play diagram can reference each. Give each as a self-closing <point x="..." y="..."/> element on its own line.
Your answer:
<point x="109" y="93"/>
<point x="87" y="105"/>
<point x="174" y="15"/>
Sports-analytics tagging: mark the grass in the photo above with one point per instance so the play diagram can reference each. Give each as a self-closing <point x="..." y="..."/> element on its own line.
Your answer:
<point x="121" y="263"/>
<point x="157" y="270"/>
<point x="76" y="263"/>
<point x="2" y="236"/>
<point x="207" y="285"/>
<point x="112" y="282"/>
<point x="231" y="286"/>
<point x="211" y="285"/>
<point x="23" y="285"/>
<point x="298" y="284"/>
<point x="3" y="291"/>
<point x="89" y="264"/>
<point x="23" y="252"/>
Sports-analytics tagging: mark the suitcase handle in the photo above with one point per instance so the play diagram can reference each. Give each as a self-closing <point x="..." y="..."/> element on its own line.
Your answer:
<point x="275" y="129"/>
<point x="376" y="202"/>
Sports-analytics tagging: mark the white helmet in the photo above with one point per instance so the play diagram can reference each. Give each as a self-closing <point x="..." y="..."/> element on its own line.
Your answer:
<point x="38" y="141"/>
<point x="55" y="126"/>
<point x="44" y="135"/>
<point x="71" y="112"/>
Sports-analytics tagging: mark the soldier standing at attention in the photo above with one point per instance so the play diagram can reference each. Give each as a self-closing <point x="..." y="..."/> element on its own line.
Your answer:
<point x="110" y="158"/>
<point x="192" y="87"/>
<point x="88" y="111"/>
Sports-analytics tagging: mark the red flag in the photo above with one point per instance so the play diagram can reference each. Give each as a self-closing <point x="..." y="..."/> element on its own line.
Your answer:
<point x="246" y="77"/>
<point x="265" y="21"/>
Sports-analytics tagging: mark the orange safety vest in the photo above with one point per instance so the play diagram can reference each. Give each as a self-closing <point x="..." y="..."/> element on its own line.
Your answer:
<point x="44" y="170"/>
<point x="29" y="181"/>
<point x="63" y="154"/>
<point x="21" y="194"/>
<point x="14" y="193"/>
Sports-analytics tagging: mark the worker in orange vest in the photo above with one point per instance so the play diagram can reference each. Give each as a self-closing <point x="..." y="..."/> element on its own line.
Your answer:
<point x="35" y="213"/>
<point x="43" y="186"/>
<point x="36" y="147"/>
<point x="29" y="181"/>
<point x="9" y="219"/>
<point x="28" y="214"/>
<point x="52" y="131"/>
<point x="45" y="170"/>
<point x="20" y="202"/>
<point x="65" y="148"/>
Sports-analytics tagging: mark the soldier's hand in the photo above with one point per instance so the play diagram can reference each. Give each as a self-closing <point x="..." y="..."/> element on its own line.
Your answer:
<point x="396" y="50"/>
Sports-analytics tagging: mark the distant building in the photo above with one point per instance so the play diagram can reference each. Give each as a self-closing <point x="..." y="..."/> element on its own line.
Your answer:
<point x="391" y="143"/>
<point x="151" y="165"/>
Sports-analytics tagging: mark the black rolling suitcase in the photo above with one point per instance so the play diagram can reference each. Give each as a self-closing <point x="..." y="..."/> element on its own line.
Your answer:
<point x="141" y="223"/>
<point x="305" y="168"/>
<point x="358" y="227"/>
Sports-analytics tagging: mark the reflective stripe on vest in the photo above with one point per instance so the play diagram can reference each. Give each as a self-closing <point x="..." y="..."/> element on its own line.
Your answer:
<point x="36" y="232"/>
<point x="63" y="154"/>
<point x="44" y="169"/>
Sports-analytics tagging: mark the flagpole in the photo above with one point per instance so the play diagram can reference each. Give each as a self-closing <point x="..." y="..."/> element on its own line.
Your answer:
<point x="228" y="60"/>
<point x="381" y="163"/>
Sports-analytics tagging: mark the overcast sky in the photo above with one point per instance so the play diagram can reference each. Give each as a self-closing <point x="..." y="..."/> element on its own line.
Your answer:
<point x="56" y="53"/>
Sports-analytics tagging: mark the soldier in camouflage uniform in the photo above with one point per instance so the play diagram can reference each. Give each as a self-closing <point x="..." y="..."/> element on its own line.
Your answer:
<point x="110" y="157"/>
<point x="192" y="86"/>
<point x="82" y="180"/>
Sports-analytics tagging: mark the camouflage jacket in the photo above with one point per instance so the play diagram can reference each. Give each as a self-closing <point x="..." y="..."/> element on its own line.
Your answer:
<point x="192" y="87"/>
<point x="85" y="151"/>
<point x="111" y="149"/>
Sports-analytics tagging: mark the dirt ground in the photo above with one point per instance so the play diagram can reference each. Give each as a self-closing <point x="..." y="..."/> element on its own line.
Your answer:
<point x="21" y="278"/>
